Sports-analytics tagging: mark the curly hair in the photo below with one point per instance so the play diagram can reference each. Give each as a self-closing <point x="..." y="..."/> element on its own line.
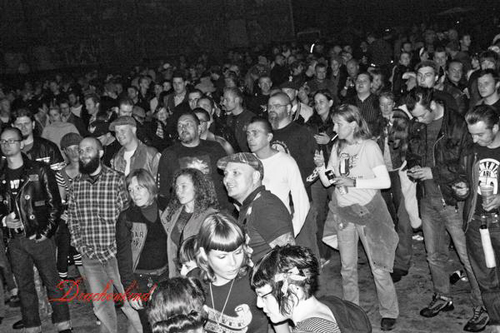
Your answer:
<point x="174" y="297"/>
<point x="182" y="323"/>
<point x="219" y="231"/>
<point x="204" y="192"/>
<point x="285" y="260"/>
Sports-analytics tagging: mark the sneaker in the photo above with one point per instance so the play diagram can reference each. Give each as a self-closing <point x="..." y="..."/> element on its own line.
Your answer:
<point x="439" y="303"/>
<point x="14" y="301"/>
<point x="479" y="320"/>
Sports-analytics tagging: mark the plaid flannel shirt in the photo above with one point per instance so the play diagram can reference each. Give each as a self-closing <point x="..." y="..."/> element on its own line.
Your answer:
<point x="93" y="209"/>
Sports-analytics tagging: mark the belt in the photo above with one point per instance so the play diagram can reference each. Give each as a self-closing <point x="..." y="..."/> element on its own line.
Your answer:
<point x="155" y="272"/>
<point x="487" y="218"/>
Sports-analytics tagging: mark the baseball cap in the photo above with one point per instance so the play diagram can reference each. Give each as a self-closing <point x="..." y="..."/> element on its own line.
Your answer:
<point x="123" y="120"/>
<point x="244" y="158"/>
<point x="98" y="128"/>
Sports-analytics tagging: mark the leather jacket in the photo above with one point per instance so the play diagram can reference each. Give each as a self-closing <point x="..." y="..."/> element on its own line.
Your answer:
<point x="453" y="137"/>
<point x="38" y="203"/>
<point x="144" y="157"/>
<point x="46" y="151"/>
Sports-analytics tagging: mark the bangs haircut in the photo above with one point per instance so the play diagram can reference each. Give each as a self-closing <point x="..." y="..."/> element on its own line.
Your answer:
<point x="220" y="232"/>
<point x="144" y="179"/>
<point x="282" y="260"/>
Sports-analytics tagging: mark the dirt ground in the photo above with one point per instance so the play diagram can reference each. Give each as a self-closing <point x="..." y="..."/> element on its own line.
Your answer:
<point x="414" y="293"/>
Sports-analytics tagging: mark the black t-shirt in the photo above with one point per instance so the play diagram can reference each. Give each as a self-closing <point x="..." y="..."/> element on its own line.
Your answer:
<point x="297" y="141"/>
<point x="154" y="253"/>
<point x="14" y="177"/>
<point x="489" y="162"/>
<point x="203" y="157"/>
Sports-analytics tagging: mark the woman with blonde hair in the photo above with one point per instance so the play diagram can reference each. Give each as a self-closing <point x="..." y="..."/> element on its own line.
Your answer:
<point x="356" y="167"/>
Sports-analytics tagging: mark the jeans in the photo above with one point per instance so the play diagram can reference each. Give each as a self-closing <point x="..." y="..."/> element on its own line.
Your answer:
<point x="437" y="218"/>
<point x="348" y="247"/>
<point x="145" y="283"/>
<point x="487" y="278"/>
<point x="102" y="277"/>
<point x="62" y="238"/>
<point x="24" y="253"/>
<point x="396" y="205"/>
<point x="320" y="197"/>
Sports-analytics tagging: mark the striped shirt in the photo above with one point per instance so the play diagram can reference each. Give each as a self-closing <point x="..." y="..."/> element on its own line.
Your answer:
<point x="316" y="325"/>
<point x="93" y="209"/>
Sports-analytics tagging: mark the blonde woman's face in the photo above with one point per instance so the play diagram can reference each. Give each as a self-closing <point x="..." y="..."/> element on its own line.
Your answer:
<point x="344" y="129"/>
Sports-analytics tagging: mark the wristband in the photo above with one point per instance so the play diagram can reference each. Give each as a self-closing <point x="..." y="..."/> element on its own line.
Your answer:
<point x="354" y="182"/>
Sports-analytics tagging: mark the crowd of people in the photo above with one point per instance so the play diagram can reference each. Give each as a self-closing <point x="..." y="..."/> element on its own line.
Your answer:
<point x="221" y="190"/>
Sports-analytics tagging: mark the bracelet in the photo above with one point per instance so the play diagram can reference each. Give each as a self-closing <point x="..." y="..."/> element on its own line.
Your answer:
<point x="354" y="182"/>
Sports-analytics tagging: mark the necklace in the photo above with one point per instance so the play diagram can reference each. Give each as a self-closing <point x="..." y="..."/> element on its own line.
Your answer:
<point x="225" y="302"/>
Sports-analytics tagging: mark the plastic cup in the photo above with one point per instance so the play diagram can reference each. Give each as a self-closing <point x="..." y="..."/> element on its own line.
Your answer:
<point x="486" y="192"/>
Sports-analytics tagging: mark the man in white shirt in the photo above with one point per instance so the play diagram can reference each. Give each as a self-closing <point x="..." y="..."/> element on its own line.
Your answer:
<point x="281" y="173"/>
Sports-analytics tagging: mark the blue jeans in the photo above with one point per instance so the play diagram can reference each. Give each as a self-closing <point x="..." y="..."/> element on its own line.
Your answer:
<point x="100" y="278"/>
<point x="487" y="278"/>
<point x="24" y="253"/>
<point x="348" y="247"/>
<point x="436" y="220"/>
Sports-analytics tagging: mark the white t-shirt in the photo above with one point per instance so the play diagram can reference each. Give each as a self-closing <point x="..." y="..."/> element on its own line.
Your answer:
<point x="282" y="177"/>
<point x="356" y="161"/>
<point x="127" y="155"/>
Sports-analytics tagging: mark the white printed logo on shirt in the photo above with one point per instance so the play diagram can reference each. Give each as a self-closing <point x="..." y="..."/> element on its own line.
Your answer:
<point x="488" y="173"/>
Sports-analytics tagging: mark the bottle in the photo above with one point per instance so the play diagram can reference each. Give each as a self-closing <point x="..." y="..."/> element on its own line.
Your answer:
<point x="489" y="255"/>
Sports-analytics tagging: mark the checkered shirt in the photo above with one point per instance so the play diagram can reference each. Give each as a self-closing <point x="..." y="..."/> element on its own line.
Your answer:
<point x="93" y="209"/>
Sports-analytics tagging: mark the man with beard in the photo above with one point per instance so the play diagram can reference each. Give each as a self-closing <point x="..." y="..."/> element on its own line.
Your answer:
<point x="36" y="148"/>
<point x="30" y="207"/>
<point x="191" y="152"/>
<point x="290" y="137"/>
<point x="134" y="154"/>
<point x="97" y="197"/>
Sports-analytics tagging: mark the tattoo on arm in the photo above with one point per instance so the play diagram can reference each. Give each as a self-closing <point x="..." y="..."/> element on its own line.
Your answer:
<point x="283" y="240"/>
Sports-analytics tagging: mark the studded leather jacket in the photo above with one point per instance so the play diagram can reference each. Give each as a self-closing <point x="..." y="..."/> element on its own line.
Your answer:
<point x="37" y="203"/>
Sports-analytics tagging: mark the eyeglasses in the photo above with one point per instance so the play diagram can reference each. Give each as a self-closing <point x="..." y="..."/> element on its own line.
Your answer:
<point x="9" y="141"/>
<point x="271" y="107"/>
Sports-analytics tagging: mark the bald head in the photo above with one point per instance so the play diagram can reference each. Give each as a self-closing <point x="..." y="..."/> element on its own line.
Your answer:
<point x="92" y="142"/>
<point x="282" y="97"/>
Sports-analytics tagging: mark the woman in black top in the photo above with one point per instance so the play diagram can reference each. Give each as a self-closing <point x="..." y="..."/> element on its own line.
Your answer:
<point x="141" y="241"/>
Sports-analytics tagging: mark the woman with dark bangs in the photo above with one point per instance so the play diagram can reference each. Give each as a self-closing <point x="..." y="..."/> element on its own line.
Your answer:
<point x="177" y="306"/>
<point x="285" y="281"/>
<point x="223" y="258"/>
<point x="194" y="200"/>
